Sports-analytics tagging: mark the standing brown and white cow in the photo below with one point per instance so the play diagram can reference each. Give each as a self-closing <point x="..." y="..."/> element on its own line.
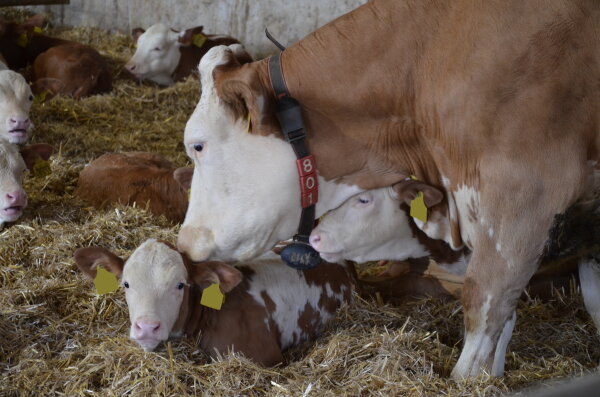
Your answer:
<point x="496" y="103"/>
<point x="269" y="307"/>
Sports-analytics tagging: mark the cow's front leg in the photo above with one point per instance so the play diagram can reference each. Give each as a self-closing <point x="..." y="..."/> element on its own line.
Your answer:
<point x="493" y="284"/>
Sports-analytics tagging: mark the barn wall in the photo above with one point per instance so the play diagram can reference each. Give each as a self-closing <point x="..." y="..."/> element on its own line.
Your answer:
<point x="287" y="20"/>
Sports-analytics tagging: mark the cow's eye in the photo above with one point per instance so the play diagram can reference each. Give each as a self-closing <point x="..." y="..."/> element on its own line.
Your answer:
<point x="363" y="200"/>
<point x="156" y="48"/>
<point x="31" y="97"/>
<point x="198" y="147"/>
<point x="126" y="284"/>
<point x="180" y="285"/>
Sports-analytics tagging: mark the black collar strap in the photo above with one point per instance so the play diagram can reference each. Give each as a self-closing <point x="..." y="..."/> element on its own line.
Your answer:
<point x="300" y="254"/>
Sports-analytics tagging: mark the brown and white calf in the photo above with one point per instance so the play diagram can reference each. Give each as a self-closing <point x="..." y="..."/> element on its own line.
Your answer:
<point x="60" y="67"/>
<point x="268" y="308"/>
<point x="15" y="102"/>
<point x="13" y="164"/>
<point x="496" y="104"/>
<point x="165" y="56"/>
<point x="146" y="179"/>
<point x="376" y="225"/>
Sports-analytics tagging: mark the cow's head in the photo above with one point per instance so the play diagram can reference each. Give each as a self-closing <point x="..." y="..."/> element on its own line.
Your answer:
<point x="245" y="194"/>
<point x="13" y="165"/>
<point x="369" y="226"/>
<point x="14" y="107"/>
<point x="157" y="54"/>
<point x="156" y="279"/>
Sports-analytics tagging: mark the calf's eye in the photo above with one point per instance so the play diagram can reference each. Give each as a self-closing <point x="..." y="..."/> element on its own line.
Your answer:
<point x="126" y="284"/>
<point x="180" y="285"/>
<point x="198" y="147"/>
<point x="363" y="200"/>
<point x="156" y="48"/>
<point x="31" y="97"/>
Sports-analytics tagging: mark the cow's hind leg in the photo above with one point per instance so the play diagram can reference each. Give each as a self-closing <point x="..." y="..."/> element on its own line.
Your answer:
<point x="589" y="276"/>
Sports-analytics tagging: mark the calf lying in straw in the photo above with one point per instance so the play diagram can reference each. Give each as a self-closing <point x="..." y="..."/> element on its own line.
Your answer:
<point x="269" y="307"/>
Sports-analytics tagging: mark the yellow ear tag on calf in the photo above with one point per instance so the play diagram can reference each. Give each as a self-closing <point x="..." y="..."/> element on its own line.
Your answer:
<point x="41" y="168"/>
<point x="189" y="193"/>
<point x="212" y="297"/>
<point x="418" y="209"/>
<point x="37" y="30"/>
<point x="198" y="40"/>
<point x="105" y="281"/>
<point x="40" y="98"/>
<point x="22" y="40"/>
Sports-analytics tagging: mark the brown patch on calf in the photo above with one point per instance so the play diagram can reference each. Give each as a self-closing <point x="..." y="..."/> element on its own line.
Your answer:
<point x="271" y="306"/>
<point x="341" y="280"/>
<point x="309" y="321"/>
<point x="191" y="54"/>
<point x="135" y="177"/>
<point x="472" y="300"/>
<point x="31" y="153"/>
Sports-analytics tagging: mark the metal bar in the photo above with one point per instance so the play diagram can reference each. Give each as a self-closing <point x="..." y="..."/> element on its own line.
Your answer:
<point x="9" y="3"/>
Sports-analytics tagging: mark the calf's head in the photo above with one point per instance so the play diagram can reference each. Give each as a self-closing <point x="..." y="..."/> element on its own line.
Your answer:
<point x="14" y="107"/>
<point x="13" y="165"/>
<point x="157" y="54"/>
<point x="245" y="193"/>
<point x="157" y="279"/>
<point x="372" y="226"/>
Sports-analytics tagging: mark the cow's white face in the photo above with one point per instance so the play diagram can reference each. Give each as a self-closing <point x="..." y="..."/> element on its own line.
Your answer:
<point x="245" y="194"/>
<point x="154" y="278"/>
<point x="156" y="56"/>
<point x="369" y="226"/>
<point x="12" y="196"/>
<point x="16" y="100"/>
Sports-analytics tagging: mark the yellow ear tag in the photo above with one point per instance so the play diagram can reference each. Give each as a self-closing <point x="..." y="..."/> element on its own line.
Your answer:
<point x="198" y="40"/>
<point x="189" y="193"/>
<point x="41" y="168"/>
<point x="212" y="297"/>
<point x="37" y="30"/>
<point x="418" y="209"/>
<point x="105" y="281"/>
<point x="22" y="40"/>
<point x="248" y="126"/>
<point x="40" y="97"/>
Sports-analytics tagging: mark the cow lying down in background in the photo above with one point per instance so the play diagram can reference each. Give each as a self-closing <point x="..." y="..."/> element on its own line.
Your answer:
<point x="13" y="164"/>
<point x="376" y="225"/>
<point x="165" y="56"/>
<point x="60" y="67"/>
<point x="269" y="306"/>
<point x="146" y="179"/>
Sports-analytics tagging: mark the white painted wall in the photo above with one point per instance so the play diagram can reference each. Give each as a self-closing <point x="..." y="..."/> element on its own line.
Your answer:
<point x="287" y="20"/>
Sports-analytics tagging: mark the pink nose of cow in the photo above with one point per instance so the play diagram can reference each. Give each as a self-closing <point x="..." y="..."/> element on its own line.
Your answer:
<point x="315" y="240"/>
<point x="130" y="67"/>
<point x="18" y="123"/>
<point x="146" y="329"/>
<point x="16" y="199"/>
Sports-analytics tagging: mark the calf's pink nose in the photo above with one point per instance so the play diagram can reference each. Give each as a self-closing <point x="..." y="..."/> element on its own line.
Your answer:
<point x="17" y="198"/>
<point x="146" y="329"/>
<point x="130" y="67"/>
<point x="315" y="240"/>
<point x="18" y="123"/>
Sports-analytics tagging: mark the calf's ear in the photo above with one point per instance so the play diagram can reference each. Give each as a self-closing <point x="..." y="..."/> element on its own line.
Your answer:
<point x="183" y="176"/>
<point x="88" y="259"/>
<point x="204" y="274"/>
<point x="408" y="190"/>
<point x="31" y="153"/>
<point x="186" y="38"/>
<point x="136" y="33"/>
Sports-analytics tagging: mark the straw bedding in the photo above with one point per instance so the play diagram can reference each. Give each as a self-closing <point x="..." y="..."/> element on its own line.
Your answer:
<point x="58" y="338"/>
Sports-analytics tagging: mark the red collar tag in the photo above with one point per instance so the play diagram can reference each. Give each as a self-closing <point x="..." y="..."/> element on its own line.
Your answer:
<point x="309" y="184"/>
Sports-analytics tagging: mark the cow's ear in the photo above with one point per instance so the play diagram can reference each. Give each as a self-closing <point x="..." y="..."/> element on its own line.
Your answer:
<point x="31" y="153"/>
<point x="183" y="176"/>
<point x="38" y="20"/>
<point x="240" y="88"/>
<point x="136" y="33"/>
<point x="186" y="38"/>
<point x="408" y="190"/>
<point x="89" y="258"/>
<point x="204" y="274"/>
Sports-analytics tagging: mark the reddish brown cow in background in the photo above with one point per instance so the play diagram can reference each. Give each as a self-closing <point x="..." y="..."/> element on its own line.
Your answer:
<point x="146" y="179"/>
